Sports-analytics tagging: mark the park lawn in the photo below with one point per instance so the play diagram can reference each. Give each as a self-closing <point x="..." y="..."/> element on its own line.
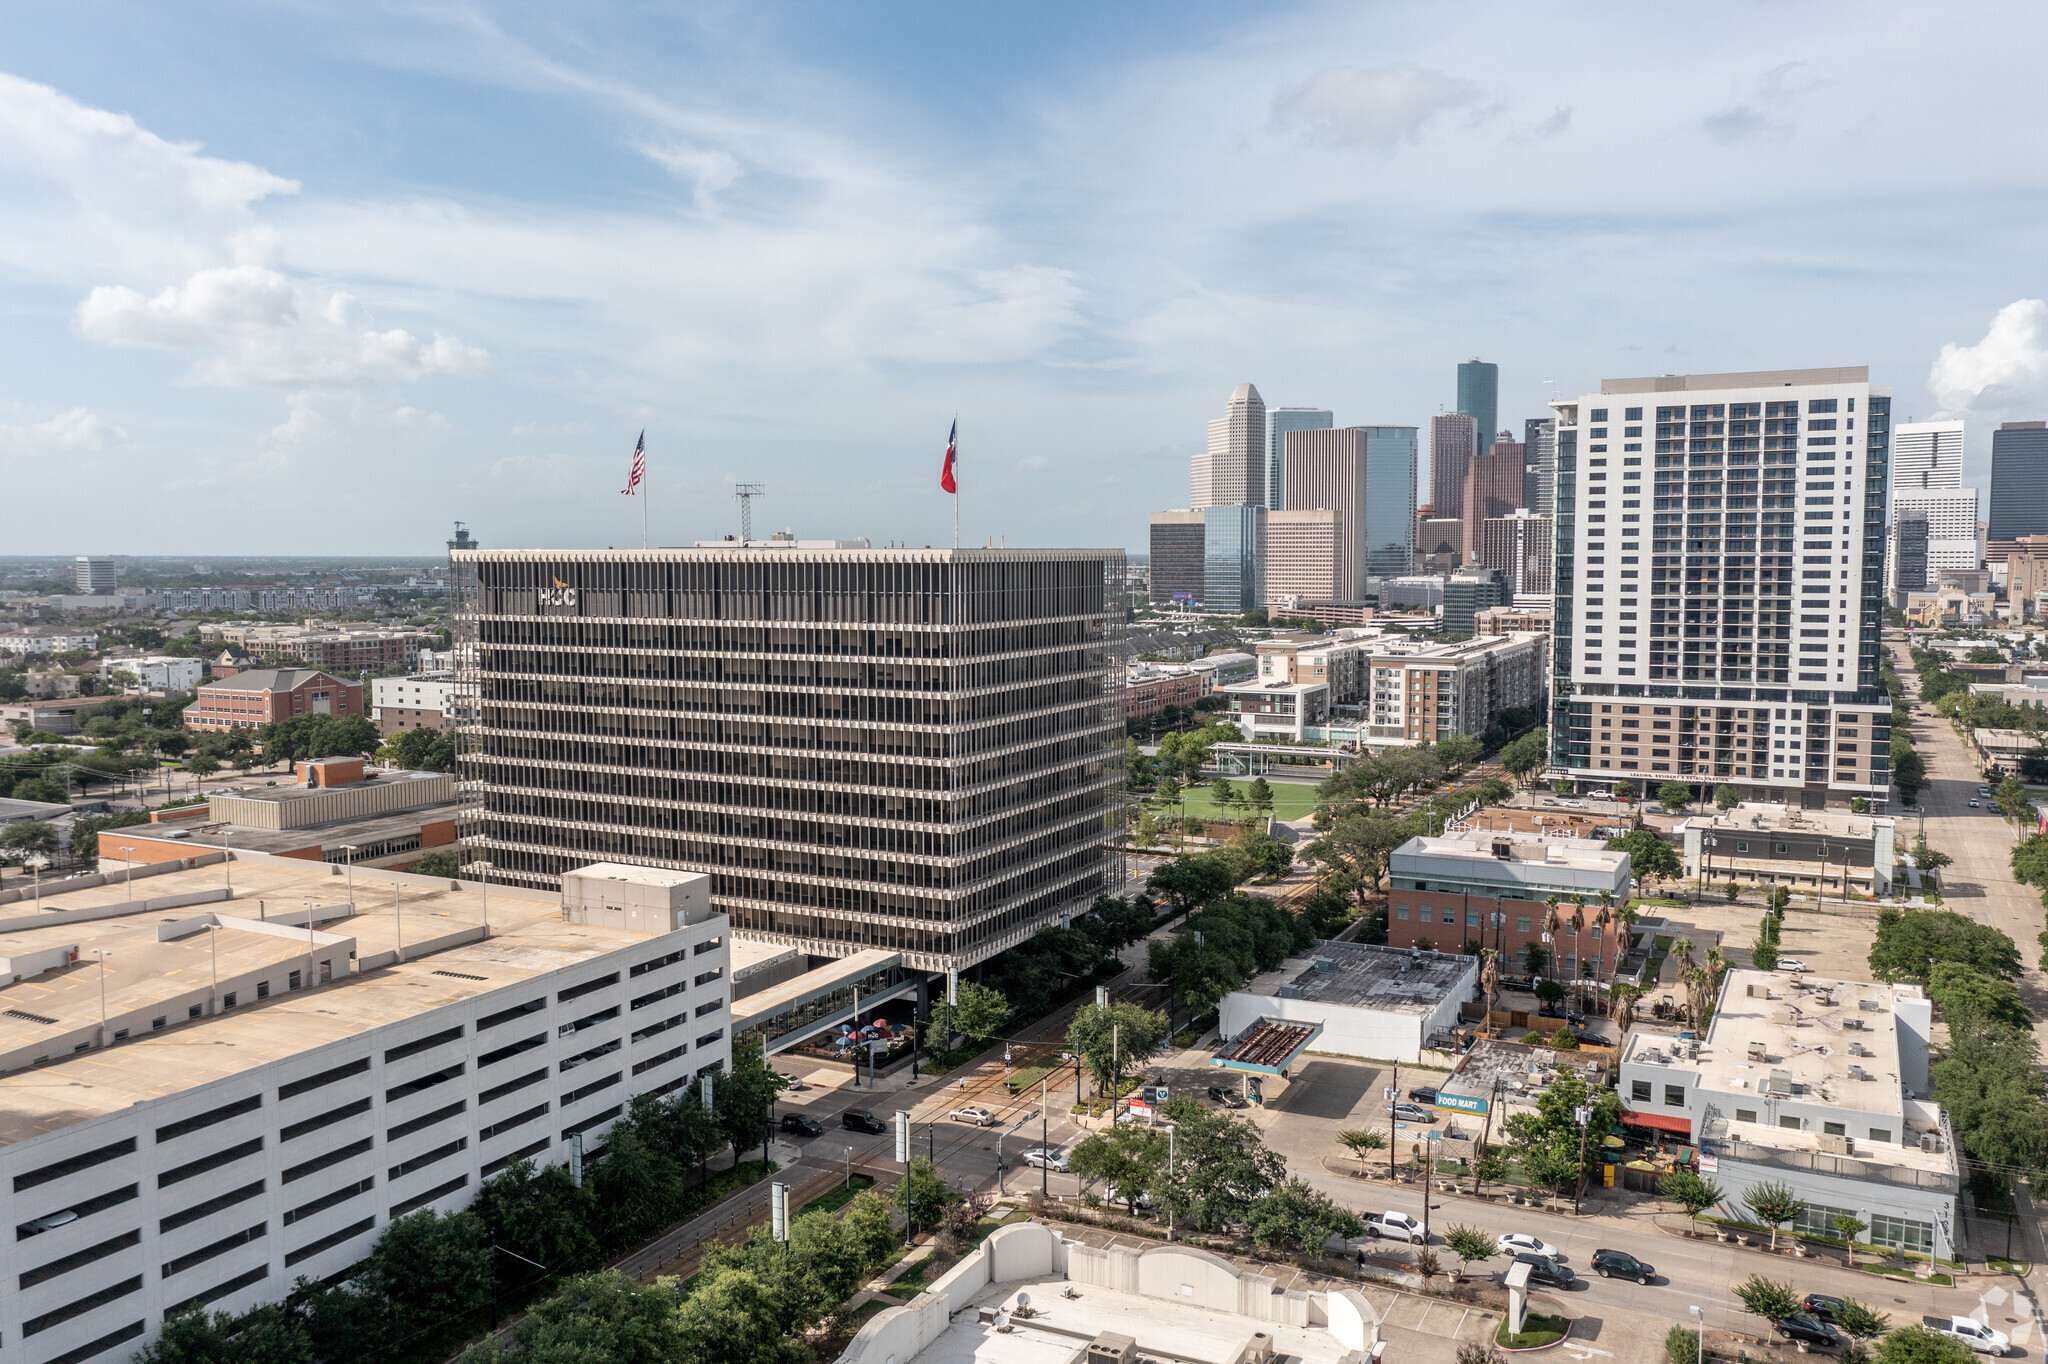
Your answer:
<point x="1538" y="1330"/>
<point x="1291" y="800"/>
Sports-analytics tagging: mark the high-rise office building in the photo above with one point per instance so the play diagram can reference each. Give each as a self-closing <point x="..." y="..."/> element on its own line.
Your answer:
<point x="1539" y="487"/>
<point x="1231" y="472"/>
<point x="1493" y="487"/>
<point x="1392" y="459"/>
<point x="2019" y="483"/>
<point x="96" y="573"/>
<point x="907" y="750"/>
<point x="1927" y="455"/>
<point x="1307" y="554"/>
<point x="1479" y="396"/>
<point x="1279" y="421"/>
<point x="1519" y="546"/>
<point x="1908" y="562"/>
<point x="1453" y="445"/>
<point x="1331" y="469"/>
<point x="1470" y="590"/>
<point x="1178" y="547"/>
<point x="1682" y="652"/>
<point x="1437" y="542"/>
<point x="1952" y="541"/>
<point x="1234" y="555"/>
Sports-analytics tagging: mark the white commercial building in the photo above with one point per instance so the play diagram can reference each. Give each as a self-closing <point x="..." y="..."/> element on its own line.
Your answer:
<point x="1819" y="1084"/>
<point x="45" y="642"/>
<point x="96" y="573"/>
<point x="1951" y="526"/>
<point x="162" y="673"/>
<point x="1386" y="1003"/>
<point x="207" y="1093"/>
<point x="1927" y="455"/>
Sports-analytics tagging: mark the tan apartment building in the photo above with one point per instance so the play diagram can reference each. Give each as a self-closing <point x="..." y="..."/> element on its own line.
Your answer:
<point x="1307" y="556"/>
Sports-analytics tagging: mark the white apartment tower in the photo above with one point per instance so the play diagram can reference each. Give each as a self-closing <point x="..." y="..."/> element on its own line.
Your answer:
<point x="1927" y="455"/>
<point x="1927" y="472"/>
<point x="1719" y="558"/>
<point x="1232" y="471"/>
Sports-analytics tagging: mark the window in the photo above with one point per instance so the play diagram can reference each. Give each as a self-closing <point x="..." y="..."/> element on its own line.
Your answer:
<point x="1521" y="923"/>
<point x="1813" y="1219"/>
<point x="587" y="1090"/>
<point x="1471" y="918"/>
<point x="1901" y="1233"/>
<point x="1745" y="1115"/>
<point x="325" y="1077"/>
<point x="419" y="1201"/>
<point x="1883" y="1134"/>
<point x="227" y="1001"/>
<point x="85" y="1209"/>
<point x="35" y="1326"/>
<point x="1674" y="1096"/>
<point x="1639" y="1091"/>
<point x="589" y="1021"/>
<point x="1789" y="1123"/>
<point x="318" y="1163"/>
<point x="420" y="1162"/>
<point x="1401" y="912"/>
<point x="328" y="1242"/>
<point x="516" y="1120"/>
<point x="262" y="989"/>
<point x="1833" y="1129"/>
<point x="1426" y="913"/>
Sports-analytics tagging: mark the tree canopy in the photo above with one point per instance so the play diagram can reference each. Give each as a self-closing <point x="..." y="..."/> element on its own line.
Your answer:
<point x="1909" y="941"/>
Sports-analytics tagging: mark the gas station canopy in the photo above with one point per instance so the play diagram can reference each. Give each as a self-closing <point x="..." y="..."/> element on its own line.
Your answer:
<point x="1268" y="1047"/>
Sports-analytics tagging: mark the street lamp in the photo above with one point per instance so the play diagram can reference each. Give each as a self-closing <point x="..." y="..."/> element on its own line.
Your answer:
<point x="350" y="849"/>
<point x="1822" y="894"/>
<point x="485" y="869"/>
<point x="1171" y="1129"/>
<point x="1699" y="1333"/>
<point x="35" y="862"/>
<point x="1584" y="1114"/>
<point x="128" y="859"/>
<point x="103" y="994"/>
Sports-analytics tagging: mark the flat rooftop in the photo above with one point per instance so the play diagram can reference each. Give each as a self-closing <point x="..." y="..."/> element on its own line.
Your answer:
<point x="365" y="832"/>
<point x="1359" y="975"/>
<point x="1762" y="815"/>
<point x="1522" y="1070"/>
<point x="1171" y="1330"/>
<point x="528" y="938"/>
<point x="1537" y="861"/>
<point x="285" y="795"/>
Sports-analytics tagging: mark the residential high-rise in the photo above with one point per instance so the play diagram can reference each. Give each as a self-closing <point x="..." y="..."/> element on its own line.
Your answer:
<point x="1908" y="562"/>
<point x="1519" y="546"/>
<point x="1177" y="556"/>
<point x="1952" y="541"/>
<point x="1307" y="554"/>
<point x="1539" y="488"/>
<point x="1331" y="469"/>
<point x="1279" y="421"/>
<point x="1927" y="455"/>
<point x="2019" y="483"/>
<point x="1231" y="472"/>
<point x="1479" y="395"/>
<point x="906" y="750"/>
<point x="1700" y="641"/>
<point x="1493" y="487"/>
<point x="1391" y="464"/>
<point x="1453" y="445"/>
<point x="1234" y="558"/>
<point x="96" y="573"/>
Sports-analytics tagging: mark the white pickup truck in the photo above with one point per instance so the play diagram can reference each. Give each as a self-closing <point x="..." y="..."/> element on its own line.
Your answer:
<point x="1397" y="1226"/>
<point x="1975" y="1334"/>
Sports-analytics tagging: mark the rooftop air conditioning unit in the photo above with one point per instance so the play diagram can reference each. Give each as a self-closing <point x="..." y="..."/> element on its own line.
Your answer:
<point x="1326" y="963"/>
<point x="1855" y="1024"/>
<point x="1870" y="1006"/>
<point x="1750" y="989"/>
<point x="1856" y="1073"/>
<point x="1756" y="1051"/>
<point x="1834" y="1146"/>
<point x="1930" y="1141"/>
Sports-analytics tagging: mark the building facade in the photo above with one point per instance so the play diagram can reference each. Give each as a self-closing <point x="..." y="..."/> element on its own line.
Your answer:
<point x="95" y="574"/>
<point x="1308" y="555"/>
<point x="2019" y="481"/>
<point x="265" y="696"/>
<point x="161" y="673"/>
<point x="1178" y="562"/>
<point x="1330" y="469"/>
<point x="1494" y="888"/>
<point x="1951" y="515"/>
<point x="1907" y="563"/>
<point x="1479" y="398"/>
<point x="1279" y="421"/>
<point x="1539" y="486"/>
<point x="1493" y="487"/>
<point x="1231" y="471"/>
<point x="1234" y="558"/>
<point x="914" y="750"/>
<point x="1519" y="548"/>
<point x="422" y="701"/>
<point x="1927" y="455"/>
<point x="1392" y="462"/>
<point x="1470" y="590"/>
<point x="1453" y="445"/>
<point x="1689" y="506"/>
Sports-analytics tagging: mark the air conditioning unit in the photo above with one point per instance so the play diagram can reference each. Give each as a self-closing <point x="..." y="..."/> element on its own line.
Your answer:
<point x="1756" y="1051"/>
<point x="1855" y="1024"/>
<point x="1930" y="1141"/>
<point x="1835" y="1146"/>
<point x="1856" y="1073"/>
<point x="1750" y="989"/>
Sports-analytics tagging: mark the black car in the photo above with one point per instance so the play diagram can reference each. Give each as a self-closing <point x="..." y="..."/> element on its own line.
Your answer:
<point x="1569" y="1015"/>
<point x="860" y="1120"/>
<point x="1822" y="1306"/>
<point x="1619" y="1264"/>
<point x="1808" y="1330"/>
<point x="801" y="1125"/>
<point x="1543" y="1269"/>
<point x="1423" y="1094"/>
<point x="1229" y="1098"/>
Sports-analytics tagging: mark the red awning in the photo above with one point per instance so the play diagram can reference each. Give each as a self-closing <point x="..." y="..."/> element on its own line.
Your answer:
<point x="1663" y="1122"/>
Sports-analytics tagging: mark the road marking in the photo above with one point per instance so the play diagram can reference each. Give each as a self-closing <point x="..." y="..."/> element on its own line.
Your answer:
<point x="1586" y="1351"/>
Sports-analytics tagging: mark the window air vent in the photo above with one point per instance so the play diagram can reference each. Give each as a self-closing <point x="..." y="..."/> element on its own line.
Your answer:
<point x="33" y="1018"/>
<point x="461" y="975"/>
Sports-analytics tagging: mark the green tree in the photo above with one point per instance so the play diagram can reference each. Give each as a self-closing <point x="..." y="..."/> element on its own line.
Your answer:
<point x="1362" y="1142"/>
<point x="1469" y="1244"/>
<point x="1222" y="1171"/>
<point x="1224" y="794"/>
<point x="419" y="750"/>
<point x="981" y="1013"/>
<point x="264" y="1335"/>
<point x="638" y="1186"/>
<point x="1768" y="1298"/>
<point x="1126" y="1158"/>
<point x="1293" y="1216"/>
<point x="28" y="836"/>
<point x="2011" y="800"/>
<point x="1148" y="829"/>
<point x="1259" y="794"/>
<point x="1774" y="1204"/>
<point x="1848" y="1226"/>
<point x="595" y="1317"/>
<point x="1918" y="1345"/>
<point x="1115" y="1039"/>
<point x="1222" y="946"/>
<point x="1168" y="789"/>
<point x="741" y="1097"/>
<point x="1624" y="790"/>
<point x="431" y="1269"/>
<point x="540" y="1214"/>
<point x="1188" y="883"/>
<point x="1681" y="1345"/>
<point x="928" y="1193"/>
<point x="1674" y="795"/>
<point x="1456" y="750"/>
<point x="317" y="736"/>
<point x="1488" y="1167"/>
<point x="1907" y="941"/>
<point x="1650" y="858"/>
<point x="1971" y="1002"/>
<point x="1528" y="755"/>
<point x="1863" y="1322"/>
<point x="440" y="862"/>
<point x="870" y="1227"/>
<point x="1492" y="791"/>
<point x="202" y="766"/>
<point x="1690" y="1192"/>
<point x="732" y="1318"/>
<point x="1727" y="797"/>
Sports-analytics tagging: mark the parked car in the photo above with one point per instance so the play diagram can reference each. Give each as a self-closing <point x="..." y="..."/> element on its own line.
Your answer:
<point x="1975" y="1334"/>
<point x="1406" y="1112"/>
<point x="1423" y="1094"/>
<point x="1619" y="1264"/>
<point x="1519" y="1242"/>
<point x="860" y="1120"/>
<point x="801" y="1125"/>
<point x="1976" y="805"/>
<point x="1543" y="1269"/>
<point x="1398" y="1226"/>
<point x="1822" y="1305"/>
<point x="1045" y="1158"/>
<point x="1810" y="1330"/>
<point x="973" y="1116"/>
<point x="790" y="1082"/>
<point x="1792" y="964"/>
<point x="1568" y="1014"/>
<point x="1229" y="1098"/>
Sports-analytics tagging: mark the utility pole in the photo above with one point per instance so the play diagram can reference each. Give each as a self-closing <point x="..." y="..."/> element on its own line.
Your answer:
<point x="903" y="1159"/>
<point x="1393" y="1090"/>
<point x="1585" y="1116"/>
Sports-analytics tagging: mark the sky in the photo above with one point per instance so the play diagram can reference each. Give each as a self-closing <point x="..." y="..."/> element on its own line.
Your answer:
<point x="324" y="278"/>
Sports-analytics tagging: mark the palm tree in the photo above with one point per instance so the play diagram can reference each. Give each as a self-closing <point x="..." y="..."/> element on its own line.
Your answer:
<point x="1551" y="923"/>
<point x="1601" y="920"/>
<point x="1682" y="949"/>
<point x="1625" y="1007"/>
<point x="1489" y="981"/>
<point x="1578" y="927"/>
<point x="1717" y="966"/>
<point x="1697" y="993"/>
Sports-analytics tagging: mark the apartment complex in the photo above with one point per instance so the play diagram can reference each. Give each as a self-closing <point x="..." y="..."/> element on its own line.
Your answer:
<point x="1688" y="508"/>
<point x="264" y="696"/>
<point x="1384" y="690"/>
<point x="1307" y="557"/>
<point x="316" y="646"/>
<point x="421" y="701"/>
<point x="1519" y="546"/>
<point x="906" y="749"/>
<point x="198" y="1108"/>
<point x="1539" y="484"/>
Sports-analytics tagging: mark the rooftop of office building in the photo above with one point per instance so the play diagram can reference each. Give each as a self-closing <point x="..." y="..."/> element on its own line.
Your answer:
<point x="1516" y="850"/>
<point x="1769" y="816"/>
<point x="158" y="960"/>
<point x="1364" y="976"/>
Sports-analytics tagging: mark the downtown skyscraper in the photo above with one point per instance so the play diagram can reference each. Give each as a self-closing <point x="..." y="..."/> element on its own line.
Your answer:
<point x="1718" y="578"/>
<point x="1231" y="471"/>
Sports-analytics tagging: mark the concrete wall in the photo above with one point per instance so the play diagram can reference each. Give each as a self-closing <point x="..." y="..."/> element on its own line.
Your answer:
<point x="1184" y="1275"/>
<point x="1352" y="1031"/>
<point x="1027" y="1250"/>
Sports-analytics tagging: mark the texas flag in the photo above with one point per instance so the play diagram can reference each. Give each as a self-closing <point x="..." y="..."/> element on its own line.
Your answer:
<point x="946" y="474"/>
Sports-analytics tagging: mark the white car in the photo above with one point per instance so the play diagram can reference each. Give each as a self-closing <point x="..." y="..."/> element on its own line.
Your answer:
<point x="1792" y="964"/>
<point x="791" y="1083"/>
<point x="1398" y="1226"/>
<point x="1521" y="1243"/>
<point x="1044" y="1158"/>
<point x="973" y="1117"/>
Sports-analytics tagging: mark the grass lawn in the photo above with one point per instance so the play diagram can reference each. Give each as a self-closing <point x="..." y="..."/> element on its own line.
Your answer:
<point x="838" y="1196"/>
<point x="1291" y="800"/>
<point x="1537" y="1329"/>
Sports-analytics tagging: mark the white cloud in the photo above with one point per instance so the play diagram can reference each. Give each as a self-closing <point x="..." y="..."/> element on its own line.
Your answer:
<point x="78" y="429"/>
<point x="2007" y="369"/>
<point x="317" y="416"/>
<point x="263" y="329"/>
<point x="1378" y="109"/>
<point x="1766" y="112"/>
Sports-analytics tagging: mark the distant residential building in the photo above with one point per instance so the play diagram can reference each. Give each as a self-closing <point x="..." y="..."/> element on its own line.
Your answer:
<point x="1539" y="484"/>
<point x="266" y="695"/>
<point x="1148" y="691"/>
<point x="30" y="644"/>
<point x="1908" y="558"/>
<point x="1493" y="487"/>
<point x="196" y="599"/>
<point x="1471" y="590"/>
<point x="1232" y="470"/>
<point x="2019" y="481"/>
<point x="343" y="650"/>
<point x="1327" y="612"/>
<point x="1479" y="396"/>
<point x="1233" y="558"/>
<point x="1453" y="445"/>
<point x="1307" y="555"/>
<point x="1512" y="620"/>
<point x="161" y="673"/>
<point x="1279" y="421"/>
<point x="96" y="574"/>
<point x="1409" y="691"/>
<point x="420" y="701"/>
<point x="1520" y="547"/>
<point x="1178" y="558"/>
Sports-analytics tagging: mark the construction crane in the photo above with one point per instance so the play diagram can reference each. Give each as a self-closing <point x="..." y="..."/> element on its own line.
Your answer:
<point x="744" y="494"/>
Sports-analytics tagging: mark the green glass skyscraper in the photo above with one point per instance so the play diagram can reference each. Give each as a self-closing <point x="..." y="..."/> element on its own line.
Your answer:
<point x="1479" y="399"/>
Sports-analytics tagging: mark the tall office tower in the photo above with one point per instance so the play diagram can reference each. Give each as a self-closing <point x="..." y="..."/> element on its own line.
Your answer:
<point x="1908" y="560"/>
<point x="1437" y="541"/>
<point x="1539" y="488"/>
<point x="1279" y="421"/>
<point x="2019" y="484"/>
<point x="1493" y="487"/>
<point x="911" y="751"/>
<point x="1453" y="445"/>
<point x="1519" y="546"/>
<point x="1332" y="469"/>
<point x="96" y="574"/>
<point x="1306" y="557"/>
<point x="1232" y="471"/>
<point x="1470" y="590"/>
<point x="1682" y="652"/>
<point x="1927" y="455"/>
<point x="1392" y="460"/>
<point x="1479" y="395"/>
<point x="1952" y="523"/>
<point x="1234" y="558"/>
<point x="1177" y="547"/>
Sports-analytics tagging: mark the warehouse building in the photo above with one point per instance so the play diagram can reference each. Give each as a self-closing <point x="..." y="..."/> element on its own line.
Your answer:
<point x="1385" y="1003"/>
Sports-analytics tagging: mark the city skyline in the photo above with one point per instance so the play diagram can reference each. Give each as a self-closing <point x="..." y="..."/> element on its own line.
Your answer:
<point x="419" y="265"/>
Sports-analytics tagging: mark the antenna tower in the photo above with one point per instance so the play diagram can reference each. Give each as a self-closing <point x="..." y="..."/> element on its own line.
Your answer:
<point x="744" y="494"/>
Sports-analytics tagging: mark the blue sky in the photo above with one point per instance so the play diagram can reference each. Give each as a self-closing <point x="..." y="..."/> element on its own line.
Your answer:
<point x="322" y="278"/>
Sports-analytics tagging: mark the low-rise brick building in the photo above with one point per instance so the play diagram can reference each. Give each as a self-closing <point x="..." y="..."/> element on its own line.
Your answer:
<point x="263" y="696"/>
<point x="1494" y="889"/>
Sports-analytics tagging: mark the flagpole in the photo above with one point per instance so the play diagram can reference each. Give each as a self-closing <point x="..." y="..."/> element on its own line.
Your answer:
<point x="956" y="483"/>
<point x="643" y="513"/>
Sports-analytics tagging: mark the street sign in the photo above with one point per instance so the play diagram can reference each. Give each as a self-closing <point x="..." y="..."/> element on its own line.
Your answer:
<point x="1460" y="1103"/>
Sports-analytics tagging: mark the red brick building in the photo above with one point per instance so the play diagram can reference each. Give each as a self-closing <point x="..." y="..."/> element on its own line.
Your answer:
<point x="262" y="696"/>
<point x="1148" y="696"/>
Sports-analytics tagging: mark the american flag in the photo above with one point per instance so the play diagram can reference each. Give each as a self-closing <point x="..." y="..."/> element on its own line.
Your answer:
<point x="639" y="466"/>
